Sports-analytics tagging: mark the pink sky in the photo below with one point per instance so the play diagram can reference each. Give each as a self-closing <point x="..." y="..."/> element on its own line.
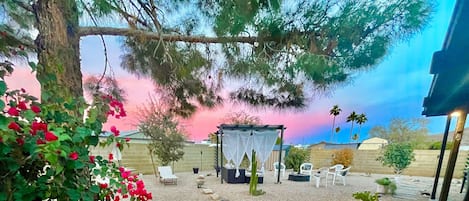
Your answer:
<point x="198" y="126"/>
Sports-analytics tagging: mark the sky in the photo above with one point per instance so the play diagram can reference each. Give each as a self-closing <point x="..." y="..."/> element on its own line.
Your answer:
<point x="393" y="89"/>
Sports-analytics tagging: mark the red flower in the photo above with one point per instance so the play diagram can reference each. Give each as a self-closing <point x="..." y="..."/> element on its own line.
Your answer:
<point x="117" y="198"/>
<point x="73" y="156"/>
<point x="14" y="126"/>
<point x="50" y="136"/>
<point x="1" y="139"/>
<point x="38" y="126"/>
<point x="115" y="131"/>
<point x="103" y="185"/>
<point x="125" y="196"/>
<point x="127" y="139"/>
<point x="111" y="157"/>
<point x="23" y="90"/>
<point x="92" y="158"/>
<point x="13" y="111"/>
<point x="118" y="145"/>
<point x="36" y="109"/>
<point x="20" y="141"/>
<point x="22" y="105"/>
<point x="40" y="141"/>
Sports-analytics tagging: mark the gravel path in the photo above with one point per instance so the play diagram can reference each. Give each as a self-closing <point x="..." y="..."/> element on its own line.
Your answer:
<point x="409" y="188"/>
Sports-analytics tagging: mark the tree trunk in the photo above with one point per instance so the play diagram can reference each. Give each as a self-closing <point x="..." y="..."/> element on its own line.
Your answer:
<point x="332" y="131"/>
<point x="58" y="47"/>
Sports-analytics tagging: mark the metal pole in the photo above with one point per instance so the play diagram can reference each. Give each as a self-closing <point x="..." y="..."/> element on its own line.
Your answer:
<point x="453" y="155"/>
<point x="440" y="159"/>
<point x="217" y="166"/>
<point x="280" y="156"/>
<point x="221" y="154"/>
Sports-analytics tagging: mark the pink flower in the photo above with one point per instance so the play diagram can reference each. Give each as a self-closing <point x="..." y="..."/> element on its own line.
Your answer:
<point x="36" y="109"/>
<point x="13" y="111"/>
<point x="14" y="126"/>
<point x="127" y="139"/>
<point x="40" y="141"/>
<point x="73" y="156"/>
<point x="140" y="184"/>
<point x="50" y="136"/>
<point x="92" y="158"/>
<point x="20" y="141"/>
<point x="125" y="174"/>
<point x="22" y="105"/>
<point x="115" y="131"/>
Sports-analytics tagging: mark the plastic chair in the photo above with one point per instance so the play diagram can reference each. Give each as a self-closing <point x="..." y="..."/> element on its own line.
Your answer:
<point x="321" y="173"/>
<point x="280" y="168"/>
<point x="306" y="168"/>
<point x="333" y="172"/>
<point x="343" y="173"/>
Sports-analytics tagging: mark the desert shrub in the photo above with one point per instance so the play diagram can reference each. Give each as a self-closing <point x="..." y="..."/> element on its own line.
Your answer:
<point x="343" y="156"/>
<point x="296" y="157"/>
<point x="398" y="156"/>
<point x="365" y="196"/>
<point x="437" y="145"/>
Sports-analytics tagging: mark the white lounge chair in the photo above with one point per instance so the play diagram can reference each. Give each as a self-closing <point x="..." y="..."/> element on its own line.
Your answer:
<point x="166" y="175"/>
<point x="280" y="168"/>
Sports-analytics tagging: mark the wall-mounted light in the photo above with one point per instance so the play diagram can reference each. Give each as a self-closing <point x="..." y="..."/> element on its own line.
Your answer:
<point x="456" y="113"/>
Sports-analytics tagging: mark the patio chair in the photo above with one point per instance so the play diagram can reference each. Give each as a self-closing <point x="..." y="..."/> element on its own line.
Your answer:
<point x="306" y="168"/>
<point x="342" y="173"/>
<point x="333" y="172"/>
<point x="166" y="175"/>
<point x="321" y="173"/>
<point x="280" y="168"/>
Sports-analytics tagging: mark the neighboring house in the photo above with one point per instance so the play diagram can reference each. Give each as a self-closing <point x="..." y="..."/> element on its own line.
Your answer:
<point x="269" y="164"/>
<point x="374" y="143"/>
<point x="327" y="145"/>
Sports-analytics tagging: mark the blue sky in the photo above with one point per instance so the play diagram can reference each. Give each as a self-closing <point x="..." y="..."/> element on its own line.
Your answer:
<point x="393" y="89"/>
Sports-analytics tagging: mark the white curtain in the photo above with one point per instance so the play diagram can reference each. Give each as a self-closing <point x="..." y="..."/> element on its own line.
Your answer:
<point x="247" y="139"/>
<point x="229" y="144"/>
<point x="237" y="146"/>
<point x="263" y="143"/>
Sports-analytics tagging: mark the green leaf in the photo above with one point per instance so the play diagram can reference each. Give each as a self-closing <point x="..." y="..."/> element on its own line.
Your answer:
<point x="4" y="121"/>
<point x="29" y="115"/>
<point x="52" y="158"/>
<point x="78" y="164"/>
<point x="59" y="169"/>
<point x="3" y="88"/>
<point x="64" y="137"/>
<point x="94" y="189"/>
<point x="73" y="194"/>
<point x="32" y="65"/>
<point x="94" y="140"/>
<point x="2" y="105"/>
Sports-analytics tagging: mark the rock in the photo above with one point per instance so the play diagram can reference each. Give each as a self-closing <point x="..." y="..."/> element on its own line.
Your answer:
<point x="207" y="191"/>
<point x="215" y="196"/>
<point x="200" y="177"/>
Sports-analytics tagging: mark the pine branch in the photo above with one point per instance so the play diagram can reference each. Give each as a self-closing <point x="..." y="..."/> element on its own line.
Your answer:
<point x="24" y="5"/>
<point x="88" y="31"/>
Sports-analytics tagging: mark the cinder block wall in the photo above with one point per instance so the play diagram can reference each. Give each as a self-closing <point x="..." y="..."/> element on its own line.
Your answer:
<point x="365" y="161"/>
<point x="137" y="157"/>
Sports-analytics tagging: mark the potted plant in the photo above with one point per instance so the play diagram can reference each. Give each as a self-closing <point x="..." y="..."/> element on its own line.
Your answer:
<point x="195" y="170"/>
<point x="385" y="186"/>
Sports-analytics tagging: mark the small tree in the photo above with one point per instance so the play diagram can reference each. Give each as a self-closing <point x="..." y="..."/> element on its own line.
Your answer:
<point x="398" y="156"/>
<point x="296" y="157"/>
<point x="343" y="156"/>
<point x="167" y="138"/>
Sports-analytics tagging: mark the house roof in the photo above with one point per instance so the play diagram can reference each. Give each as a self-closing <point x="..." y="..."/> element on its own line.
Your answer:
<point x="450" y="67"/>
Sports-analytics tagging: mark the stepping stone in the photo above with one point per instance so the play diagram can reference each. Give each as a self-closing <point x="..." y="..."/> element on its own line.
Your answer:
<point x="207" y="191"/>
<point x="215" y="196"/>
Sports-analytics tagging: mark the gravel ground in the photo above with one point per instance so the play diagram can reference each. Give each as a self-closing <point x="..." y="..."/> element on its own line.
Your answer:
<point x="409" y="188"/>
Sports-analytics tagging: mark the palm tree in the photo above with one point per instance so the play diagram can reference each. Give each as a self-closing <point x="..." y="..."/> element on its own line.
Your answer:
<point x="334" y="111"/>
<point x="361" y="119"/>
<point x="352" y="118"/>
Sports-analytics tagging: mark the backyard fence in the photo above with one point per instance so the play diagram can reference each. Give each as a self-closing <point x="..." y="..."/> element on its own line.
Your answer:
<point x="137" y="157"/>
<point x="365" y="161"/>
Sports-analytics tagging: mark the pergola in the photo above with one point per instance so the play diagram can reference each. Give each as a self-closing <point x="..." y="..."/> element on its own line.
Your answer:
<point x="449" y="91"/>
<point x="240" y="127"/>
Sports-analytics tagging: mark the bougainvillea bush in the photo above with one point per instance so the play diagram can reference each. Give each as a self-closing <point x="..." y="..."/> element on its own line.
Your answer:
<point x="44" y="149"/>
